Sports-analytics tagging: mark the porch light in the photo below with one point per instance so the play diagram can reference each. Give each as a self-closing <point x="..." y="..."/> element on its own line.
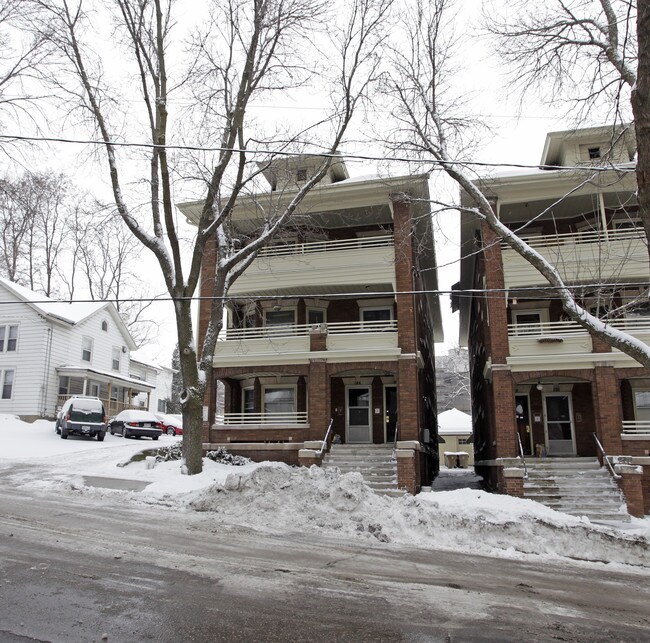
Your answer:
<point x="539" y="386"/>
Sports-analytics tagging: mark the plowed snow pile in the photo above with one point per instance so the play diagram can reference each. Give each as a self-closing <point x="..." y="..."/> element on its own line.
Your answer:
<point x="281" y="499"/>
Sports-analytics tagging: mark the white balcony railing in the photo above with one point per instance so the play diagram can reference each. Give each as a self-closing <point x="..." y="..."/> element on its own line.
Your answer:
<point x="632" y="325"/>
<point x="588" y="257"/>
<point x="577" y="238"/>
<point x="636" y="427"/>
<point x="335" y="328"/>
<point x="284" y="250"/>
<point x="261" y="419"/>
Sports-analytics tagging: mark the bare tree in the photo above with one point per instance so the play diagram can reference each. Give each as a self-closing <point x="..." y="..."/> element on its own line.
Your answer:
<point x="253" y="48"/>
<point x="423" y="106"/>
<point x="594" y="54"/>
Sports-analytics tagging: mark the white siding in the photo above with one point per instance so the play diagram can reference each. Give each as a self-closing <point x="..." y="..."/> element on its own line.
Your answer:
<point x="27" y="360"/>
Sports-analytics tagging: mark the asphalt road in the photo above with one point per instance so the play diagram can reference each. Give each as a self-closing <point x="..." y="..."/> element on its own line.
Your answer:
<point x="86" y="569"/>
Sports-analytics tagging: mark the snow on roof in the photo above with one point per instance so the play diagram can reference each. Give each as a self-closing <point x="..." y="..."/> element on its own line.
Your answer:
<point x="72" y="312"/>
<point x="454" y="421"/>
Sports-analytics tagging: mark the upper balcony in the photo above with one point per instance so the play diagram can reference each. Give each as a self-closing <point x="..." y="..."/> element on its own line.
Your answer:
<point x="345" y="262"/>
<point x="293" y="343"/>
<point x="582" y="257"/>
<point x="565" y="341"/>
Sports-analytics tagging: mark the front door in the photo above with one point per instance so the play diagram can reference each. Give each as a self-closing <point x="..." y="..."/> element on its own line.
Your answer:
<point x="558" y="420"/>
<point x="390" y="412"/>
<point x="358" y="416"/>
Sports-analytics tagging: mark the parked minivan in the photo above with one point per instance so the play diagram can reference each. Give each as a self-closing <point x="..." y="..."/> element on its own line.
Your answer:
<point x="82" y="415"/>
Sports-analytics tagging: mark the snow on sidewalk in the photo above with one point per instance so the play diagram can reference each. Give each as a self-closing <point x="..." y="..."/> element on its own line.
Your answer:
<point x="276" y="498"/>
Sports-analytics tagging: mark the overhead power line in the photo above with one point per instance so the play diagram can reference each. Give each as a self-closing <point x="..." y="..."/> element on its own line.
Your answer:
<point x="347" y="295"/>
<point x="360" y="157"/>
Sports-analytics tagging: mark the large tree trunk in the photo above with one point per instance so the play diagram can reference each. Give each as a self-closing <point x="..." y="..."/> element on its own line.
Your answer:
<point x="641" y="109"/>
<point x="193" y="389"/>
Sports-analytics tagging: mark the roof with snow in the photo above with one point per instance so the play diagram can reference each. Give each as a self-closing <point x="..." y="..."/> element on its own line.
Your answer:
<point x="71" y="312"/>
<point x="453" y="422"/>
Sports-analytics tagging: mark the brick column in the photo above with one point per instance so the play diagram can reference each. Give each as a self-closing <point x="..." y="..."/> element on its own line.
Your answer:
<point x="208" y="272"/>
<point x="319" y="396"/>
<point x="607" y="409"/>
<point x="318" y="338"/>
<point x="408" y="467"/>
<point x="505" y="424"/>
<point x="496" y="303"/>
<point x="407" y="399"/>
<point x="512" y="480"/>
<point x="405" y="304"/>
<point x="631" y="486"/>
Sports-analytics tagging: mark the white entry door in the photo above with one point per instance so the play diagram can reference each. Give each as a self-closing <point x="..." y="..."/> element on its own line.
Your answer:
<point x="558" y="420"/>
<point x="358" y="416"/>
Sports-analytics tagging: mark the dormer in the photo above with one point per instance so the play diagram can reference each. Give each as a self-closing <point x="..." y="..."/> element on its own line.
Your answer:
<point x="590" y="146"/>
<point x="291" y="172"/>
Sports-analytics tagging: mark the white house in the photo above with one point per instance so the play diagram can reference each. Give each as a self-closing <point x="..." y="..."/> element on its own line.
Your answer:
<point x="50" y="350"/>
<point x="160" y="377"/>
<point x="455" y="432"/>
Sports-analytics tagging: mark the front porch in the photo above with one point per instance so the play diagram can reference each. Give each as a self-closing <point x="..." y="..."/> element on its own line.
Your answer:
<point x="116" y="392"/>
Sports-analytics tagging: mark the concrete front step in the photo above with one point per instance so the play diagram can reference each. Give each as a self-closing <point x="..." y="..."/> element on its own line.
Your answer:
<point x="576" y="486"/>
<point x="373" y="462"/>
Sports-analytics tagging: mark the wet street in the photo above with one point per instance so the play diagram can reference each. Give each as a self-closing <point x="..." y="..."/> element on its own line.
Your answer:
<point x="86" y="568"/>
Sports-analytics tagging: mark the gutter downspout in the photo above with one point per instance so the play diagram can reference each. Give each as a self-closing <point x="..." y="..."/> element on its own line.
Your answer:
<point x="46" y="371"/>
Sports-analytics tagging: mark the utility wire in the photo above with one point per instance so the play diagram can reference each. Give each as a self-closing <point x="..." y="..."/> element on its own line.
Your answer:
<point x="361" y="157"/>
<point x="334" y="295"/>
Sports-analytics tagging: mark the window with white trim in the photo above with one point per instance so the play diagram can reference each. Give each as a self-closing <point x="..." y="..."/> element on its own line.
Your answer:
<point x="279" y="399"/>
<point x="642" y="405"/>
<point x="86" y="349"/>
<point x="8" y="338"/>
<point x="115" y="361"/>
<point x="376" y="314"/>
<point x="162" y="406"/>
<point x="7" y="383"/>
<point x="316" y="316"/>
<point x="248" y="400"/>
<point x="280" y="318"/>
<point x="529" y="321"/>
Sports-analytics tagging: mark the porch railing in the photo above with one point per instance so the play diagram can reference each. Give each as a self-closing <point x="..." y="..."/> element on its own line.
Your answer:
<point x="112" y="407"/>
<point x="629" y="324"/>
<point x="261" y="419"/>
<point x="636" y="427"/>
<point x="336" y="328"/>
<point x="287" y="249"/>
<point x="575" y="238"/>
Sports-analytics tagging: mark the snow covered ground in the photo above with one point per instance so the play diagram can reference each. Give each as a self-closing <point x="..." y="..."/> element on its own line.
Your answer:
<point x="279" y="499"/>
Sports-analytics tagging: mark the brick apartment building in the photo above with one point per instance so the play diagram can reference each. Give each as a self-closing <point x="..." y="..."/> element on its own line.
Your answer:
<point x="537" y="377"/>
<point x="324" y="326"/>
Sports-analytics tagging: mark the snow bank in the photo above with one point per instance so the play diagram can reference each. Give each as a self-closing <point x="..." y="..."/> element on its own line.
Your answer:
<point x="280" y="498"/>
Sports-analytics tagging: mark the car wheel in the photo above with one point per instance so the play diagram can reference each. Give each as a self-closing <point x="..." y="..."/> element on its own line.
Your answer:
<point x="124" y="435"/>
<point x="112" y="432"/>
<point x="154" y="437"/>
<point x="64" y="433"/>
<point x="170" y="430"/>
<point x="100" y="437"/>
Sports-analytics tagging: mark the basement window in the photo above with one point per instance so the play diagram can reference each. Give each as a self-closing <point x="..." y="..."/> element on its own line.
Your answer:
<point x="593" y="153"/>
<point x="301" y="174"/>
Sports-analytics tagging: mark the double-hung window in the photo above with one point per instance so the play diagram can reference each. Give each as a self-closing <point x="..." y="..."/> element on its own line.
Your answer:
<point x="7" y="383"/>
<point x="86" y="349"/>
<point x="8" y="338"/>
<point x="115" y="361"/>
<point x="279" y="399"/>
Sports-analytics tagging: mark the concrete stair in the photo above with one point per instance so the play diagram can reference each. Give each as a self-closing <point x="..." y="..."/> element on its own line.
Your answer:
<point x="373" y="461"/>
<point x="577" y="486"/>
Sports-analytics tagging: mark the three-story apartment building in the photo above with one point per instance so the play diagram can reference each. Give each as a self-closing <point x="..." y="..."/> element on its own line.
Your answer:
<point x="538" y="378"/>
<point x="334" y="322"/>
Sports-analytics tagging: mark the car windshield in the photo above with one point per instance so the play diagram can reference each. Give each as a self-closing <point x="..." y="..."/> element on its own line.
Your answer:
<point x="86" y="411"/>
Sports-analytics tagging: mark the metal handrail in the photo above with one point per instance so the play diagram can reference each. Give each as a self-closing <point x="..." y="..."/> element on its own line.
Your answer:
<point x="605" y="457"/>
<point x="395" y="441"/>
<point x="521" y="453"/>
<point x="327" y="435"/>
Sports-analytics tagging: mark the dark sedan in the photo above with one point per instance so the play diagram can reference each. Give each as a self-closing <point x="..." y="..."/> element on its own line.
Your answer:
<point x="136" y="424"/>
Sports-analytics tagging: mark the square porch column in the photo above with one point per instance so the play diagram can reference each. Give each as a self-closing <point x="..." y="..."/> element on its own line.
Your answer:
<point x="318" y="389"/>
<point x="607" y="409"/>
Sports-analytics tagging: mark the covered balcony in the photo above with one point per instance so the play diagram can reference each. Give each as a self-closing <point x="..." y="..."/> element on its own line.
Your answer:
<point x="582" y="257"/>
<point x="294" y="266"/>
